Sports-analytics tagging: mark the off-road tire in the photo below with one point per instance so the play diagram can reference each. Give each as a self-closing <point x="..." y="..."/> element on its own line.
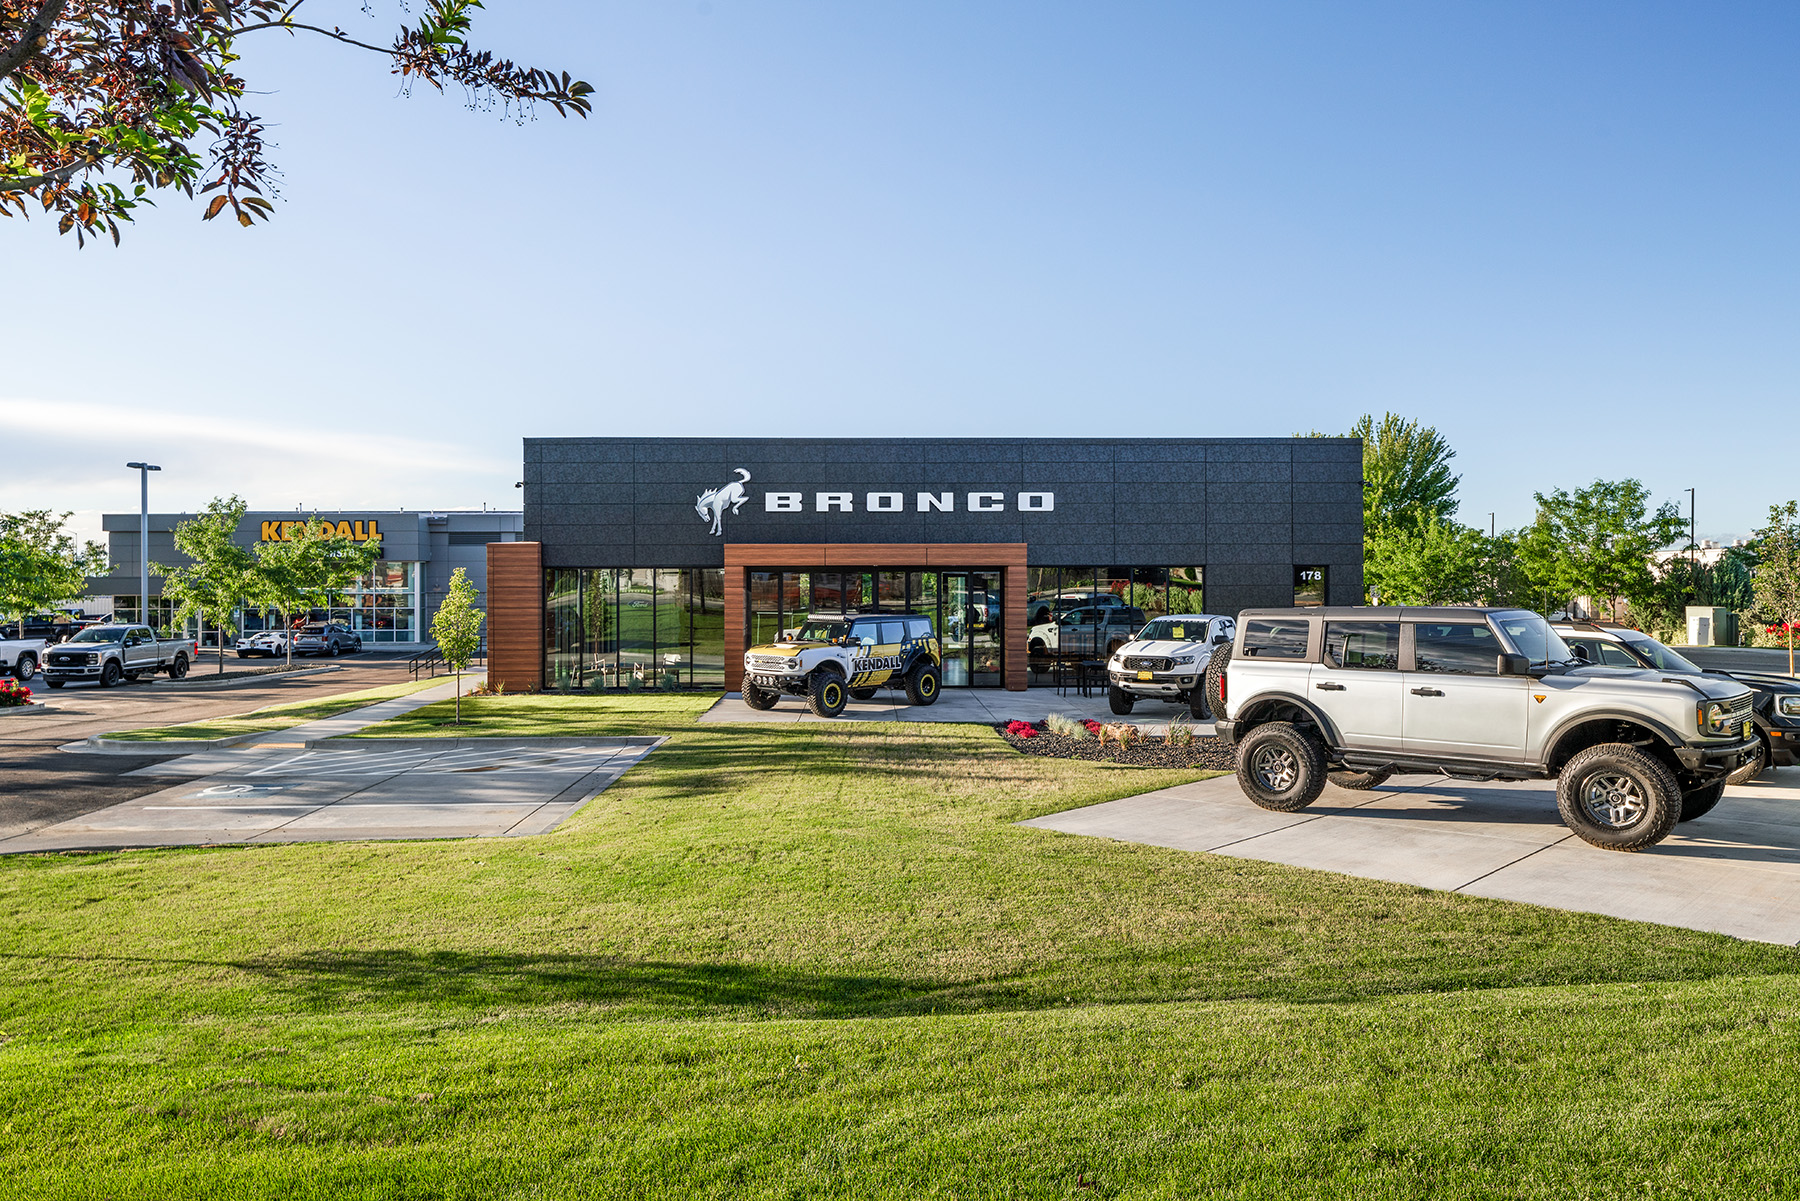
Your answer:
<point x="1755" y="767"/>
<point x="1359" y="781"/>
<point x="1210" y="684"/>
<point x="1700" y="802"/>
<point x="1644" y="801"/>
<point x="863" y="694"/>
<point x="1119" y="700"/>
<point x="179" y="668"/>
<point x="25" y="668"/>
<point x="1198" y="709"/>
<point x="110" y="674"/>
<point x="1280" y="768"/>
<point x="826" y="693"/>
<point x="922" y="684"/>
<point x="756" y="698"/>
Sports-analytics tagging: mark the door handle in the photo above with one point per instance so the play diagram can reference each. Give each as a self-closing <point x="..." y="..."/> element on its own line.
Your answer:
<point x="1329" y="687"/>
<point x="1426" y="692"/>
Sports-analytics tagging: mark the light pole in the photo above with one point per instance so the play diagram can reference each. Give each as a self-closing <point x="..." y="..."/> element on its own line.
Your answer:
<point x="144" y="470"/>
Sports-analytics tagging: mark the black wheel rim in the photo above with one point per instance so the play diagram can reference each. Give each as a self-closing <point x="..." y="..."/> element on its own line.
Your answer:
<point x="927" y="685"/>
<point x="1275" y="767"/>
<point x="834" y="696"/>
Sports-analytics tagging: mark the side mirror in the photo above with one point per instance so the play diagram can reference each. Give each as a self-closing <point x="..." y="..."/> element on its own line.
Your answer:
<point x="1580" y="652"/>
<point x="1221" y="639"/>
<point x="1512" y="665"/>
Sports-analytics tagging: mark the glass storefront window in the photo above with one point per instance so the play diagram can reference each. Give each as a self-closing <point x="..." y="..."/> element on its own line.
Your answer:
<point x="890" y="590"/>
<point x="637" y="623"/>
<point x="562" y="628"/>
<point x="705" y="626"/>
<point x="1187" y="593"/>
<point x="765" y="607"/>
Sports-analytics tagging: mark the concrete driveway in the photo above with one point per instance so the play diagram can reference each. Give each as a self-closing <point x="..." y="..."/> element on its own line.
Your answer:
<point x="1735" y="871"/>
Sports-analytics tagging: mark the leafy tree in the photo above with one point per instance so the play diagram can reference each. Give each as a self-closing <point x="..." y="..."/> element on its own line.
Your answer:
<point x="1598" y="542"/>
<point x="1777" y="585"/>
<point x="1406" y="472"/>
<point x="309" y="568"/>
<point x="40" y="564"/>
<point x="456" y="628"/>
<point x="103" y="102"/>
<point x="1441" y="562"/>
<point x="219" y="574"/>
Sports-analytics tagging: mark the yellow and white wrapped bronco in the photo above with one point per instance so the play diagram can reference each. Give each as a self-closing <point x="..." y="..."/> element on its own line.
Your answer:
<point x="833" y="658"/>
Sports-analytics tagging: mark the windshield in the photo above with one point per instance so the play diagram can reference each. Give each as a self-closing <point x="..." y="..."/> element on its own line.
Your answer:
<point x="1173" y="629"/>
<point x="1533" y="637"/>
<point x="99" y="634"/>
<point x="1664" y="658"/>
<point x="822" y="631"/>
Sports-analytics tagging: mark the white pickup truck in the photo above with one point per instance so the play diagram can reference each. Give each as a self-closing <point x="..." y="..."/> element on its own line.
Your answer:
<point x="108" y="654"/>
<point x="20" y="657"/>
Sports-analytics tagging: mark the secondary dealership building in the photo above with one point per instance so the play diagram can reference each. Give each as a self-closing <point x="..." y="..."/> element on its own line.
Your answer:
<point x="664" y="558"/>
<point x="392" y="609"/>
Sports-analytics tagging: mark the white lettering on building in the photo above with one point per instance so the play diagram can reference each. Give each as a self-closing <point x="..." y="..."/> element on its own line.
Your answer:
<point x="828" y="502"/>
<point x="987" y="502"/>
<point x="940" y="502"/>
<point x="1037" y="502"/>
<point x="895" y="502"/>
<point x="781" y="502"/>
<point x="886" y="502"/>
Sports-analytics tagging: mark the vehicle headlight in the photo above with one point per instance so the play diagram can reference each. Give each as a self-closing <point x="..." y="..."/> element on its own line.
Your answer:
<point x="1181" y="659"/>
<point x="92" y="660"/>
<point x="1789" y="706"/>
<point x="1118" y="657"/>
<point x="1716" y="716"/>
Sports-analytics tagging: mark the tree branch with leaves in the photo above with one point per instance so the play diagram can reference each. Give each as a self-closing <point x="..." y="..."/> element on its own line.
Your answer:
<point x="104" y="103"/>
<point x="40" y="563"/>
<point x="218" y="574"/>
<point x="1777" y="581"/>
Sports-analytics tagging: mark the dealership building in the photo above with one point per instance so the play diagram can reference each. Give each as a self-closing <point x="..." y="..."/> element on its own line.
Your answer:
<point x="392" y="608"/>
<point x="664" y="558"/>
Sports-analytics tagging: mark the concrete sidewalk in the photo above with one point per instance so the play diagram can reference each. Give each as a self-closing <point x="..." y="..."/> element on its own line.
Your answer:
<point x="980" y="706"/>
<point x="1735" y="871"/>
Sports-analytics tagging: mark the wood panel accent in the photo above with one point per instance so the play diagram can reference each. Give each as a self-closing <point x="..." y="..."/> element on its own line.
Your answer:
<point x="742" y="557"/>
<point x="515" y="610"/>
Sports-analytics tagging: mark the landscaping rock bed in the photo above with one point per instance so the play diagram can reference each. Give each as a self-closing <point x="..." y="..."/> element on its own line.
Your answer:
<point x="1205" y="751"/>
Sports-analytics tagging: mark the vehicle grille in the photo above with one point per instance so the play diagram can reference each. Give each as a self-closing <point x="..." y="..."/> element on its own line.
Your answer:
<point x="1147" y="663"/>
<point x="66" y="660"/>
<point x="768" y="663"/>
<point x="1740" y="709"/>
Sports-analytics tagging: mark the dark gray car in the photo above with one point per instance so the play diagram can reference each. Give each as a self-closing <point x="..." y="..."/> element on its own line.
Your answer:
<point x="328" y="638"/>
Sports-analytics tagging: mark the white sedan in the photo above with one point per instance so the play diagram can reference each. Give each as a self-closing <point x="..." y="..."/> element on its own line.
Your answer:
<point x="270" y="643"/>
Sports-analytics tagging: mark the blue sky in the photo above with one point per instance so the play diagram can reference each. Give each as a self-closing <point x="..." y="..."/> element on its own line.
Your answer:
<point x="1562" y="233"/>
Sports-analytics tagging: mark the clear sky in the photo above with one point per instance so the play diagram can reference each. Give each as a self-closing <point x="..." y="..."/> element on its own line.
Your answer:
<point x="1565" y="234"/>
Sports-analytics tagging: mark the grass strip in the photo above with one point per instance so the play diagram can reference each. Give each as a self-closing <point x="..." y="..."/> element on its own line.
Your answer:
<point x="273" y="717"/>
<point x="527" y="715"/>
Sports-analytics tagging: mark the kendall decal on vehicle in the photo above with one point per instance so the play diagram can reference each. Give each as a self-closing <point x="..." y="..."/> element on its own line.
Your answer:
<point x="711" y="504"/>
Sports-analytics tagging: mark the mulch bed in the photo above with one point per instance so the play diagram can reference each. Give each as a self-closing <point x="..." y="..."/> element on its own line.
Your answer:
<point x="1205" y="751"/>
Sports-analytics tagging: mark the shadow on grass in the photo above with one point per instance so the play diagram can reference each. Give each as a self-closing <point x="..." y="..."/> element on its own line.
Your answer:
<point x="328" y="981"/>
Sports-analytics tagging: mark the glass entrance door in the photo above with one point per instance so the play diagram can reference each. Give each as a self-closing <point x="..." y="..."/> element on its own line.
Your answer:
<point x="953" y="628"/>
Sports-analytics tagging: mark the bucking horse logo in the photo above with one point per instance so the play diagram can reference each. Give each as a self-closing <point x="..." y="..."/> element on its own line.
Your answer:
<point x="712" y="505"/>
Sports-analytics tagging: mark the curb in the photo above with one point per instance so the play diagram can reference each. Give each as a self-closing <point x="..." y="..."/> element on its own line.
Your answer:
<point x="28" y="707"/>
<point x="99" y="744"/>
<point x="452" y="744"/>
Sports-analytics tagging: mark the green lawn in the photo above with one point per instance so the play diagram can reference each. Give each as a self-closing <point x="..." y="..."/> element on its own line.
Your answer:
<point x="531" y="716"/>
<point x="275" y="717"/>
<point x="809" y="961"/>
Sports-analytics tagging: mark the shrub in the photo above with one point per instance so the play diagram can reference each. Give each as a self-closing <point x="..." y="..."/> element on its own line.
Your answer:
<point x="1181" y="732"/>
<point x="1021" y="729"/>
<point x="1093" y="727"/>
<point x="13" y="694"/>
<point x="1068" y="727"/>
<point x="1121" y="733"/>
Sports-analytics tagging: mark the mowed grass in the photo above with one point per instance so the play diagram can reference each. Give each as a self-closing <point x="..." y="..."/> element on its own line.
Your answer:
<point x="817" y="961"/>
<point x="274" y="717"/>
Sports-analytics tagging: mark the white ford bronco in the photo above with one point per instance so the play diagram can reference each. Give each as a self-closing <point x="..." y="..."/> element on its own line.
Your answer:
<point x="1166" y="662"/>
<point x="1359" y="694"/>
<point x="834" y="657"/>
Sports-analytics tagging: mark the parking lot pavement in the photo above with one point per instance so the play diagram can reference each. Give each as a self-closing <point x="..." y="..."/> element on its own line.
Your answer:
<point x="276" y="792"/>
<point x="981" y="706"/>
<point x="1735" y="871"/>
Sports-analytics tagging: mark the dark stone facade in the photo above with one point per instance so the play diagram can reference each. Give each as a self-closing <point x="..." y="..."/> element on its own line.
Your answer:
<point x="1247" y="510"/>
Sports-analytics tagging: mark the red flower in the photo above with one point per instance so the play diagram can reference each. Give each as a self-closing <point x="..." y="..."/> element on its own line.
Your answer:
<point x="1092" y="725"/>
<point x="1021" y="729"/>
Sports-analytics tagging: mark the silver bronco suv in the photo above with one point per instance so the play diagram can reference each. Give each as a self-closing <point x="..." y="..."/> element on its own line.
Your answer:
<point x="1358" y="694"/>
